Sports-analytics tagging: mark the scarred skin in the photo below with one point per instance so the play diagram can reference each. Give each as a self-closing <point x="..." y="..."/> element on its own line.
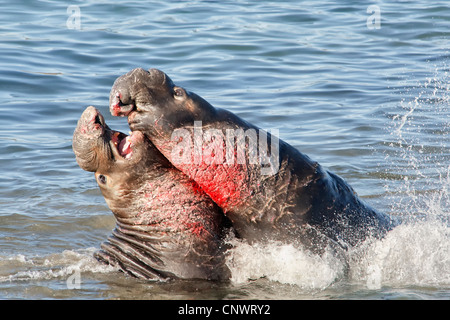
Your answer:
<point x="166" y="226"/>
<point x="300" y="202"/>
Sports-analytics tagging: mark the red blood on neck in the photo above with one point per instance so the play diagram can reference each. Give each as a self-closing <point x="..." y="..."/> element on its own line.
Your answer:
<point x="227" y="185"/>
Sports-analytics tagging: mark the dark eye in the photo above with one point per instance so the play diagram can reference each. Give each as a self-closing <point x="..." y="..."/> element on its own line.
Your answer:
<point x="101" y="178"/>
<point x="178" y="92"/>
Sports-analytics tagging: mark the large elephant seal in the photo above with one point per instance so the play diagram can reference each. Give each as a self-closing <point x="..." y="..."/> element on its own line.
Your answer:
<point x="166" y="226"/>
<point x="267" y="188"/>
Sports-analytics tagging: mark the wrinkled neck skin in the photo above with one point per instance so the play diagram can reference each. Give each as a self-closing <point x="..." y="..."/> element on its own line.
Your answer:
<point x="164" y="230"/>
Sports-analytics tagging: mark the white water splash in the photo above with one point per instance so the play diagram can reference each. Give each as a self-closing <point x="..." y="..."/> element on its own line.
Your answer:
<point x="283" y="263"/>
<point x="413" y="254"/>
<point x="418" y="148"/>
<point x="416" y="253"/>
<point x="58" y="265"/>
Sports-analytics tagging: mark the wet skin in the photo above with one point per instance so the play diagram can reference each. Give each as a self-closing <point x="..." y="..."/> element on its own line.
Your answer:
<point x="166" y="226"/>
<point x="300" y="202"/>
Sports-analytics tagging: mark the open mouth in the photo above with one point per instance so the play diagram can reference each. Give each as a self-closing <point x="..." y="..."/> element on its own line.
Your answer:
<point x="122" y="143"/>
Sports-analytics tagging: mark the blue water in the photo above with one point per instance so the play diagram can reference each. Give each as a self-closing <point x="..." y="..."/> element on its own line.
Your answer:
<point x="366" y="95"/>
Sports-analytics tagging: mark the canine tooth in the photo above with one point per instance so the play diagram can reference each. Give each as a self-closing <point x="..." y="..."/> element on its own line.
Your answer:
<point x="116" y="138"/>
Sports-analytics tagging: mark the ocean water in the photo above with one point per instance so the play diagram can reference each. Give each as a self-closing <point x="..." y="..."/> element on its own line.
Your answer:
<point x="361" y="87"/>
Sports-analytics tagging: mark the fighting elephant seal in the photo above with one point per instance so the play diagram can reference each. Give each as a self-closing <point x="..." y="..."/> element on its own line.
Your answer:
<point x="166" y="226"/>
<point x="284" y="196"/>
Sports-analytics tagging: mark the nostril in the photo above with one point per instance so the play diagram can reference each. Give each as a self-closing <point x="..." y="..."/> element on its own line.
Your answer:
<point x="97" y="119"/>
<point x="118" y="101"/>
<point x="121" y="104"/>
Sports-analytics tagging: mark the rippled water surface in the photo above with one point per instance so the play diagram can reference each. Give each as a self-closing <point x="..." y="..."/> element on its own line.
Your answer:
<point x="368" y="98"/>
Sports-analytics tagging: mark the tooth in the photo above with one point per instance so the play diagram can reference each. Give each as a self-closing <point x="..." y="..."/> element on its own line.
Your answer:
<point x="116" y="138"/>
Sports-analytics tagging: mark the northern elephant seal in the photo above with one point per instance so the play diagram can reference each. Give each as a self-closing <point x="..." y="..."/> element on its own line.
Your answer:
<point x="166" y="226"/>
<point x="278" y="194"/>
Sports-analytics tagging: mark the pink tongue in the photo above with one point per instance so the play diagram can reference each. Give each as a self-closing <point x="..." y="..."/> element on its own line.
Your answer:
<point x="125" y="147"/>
